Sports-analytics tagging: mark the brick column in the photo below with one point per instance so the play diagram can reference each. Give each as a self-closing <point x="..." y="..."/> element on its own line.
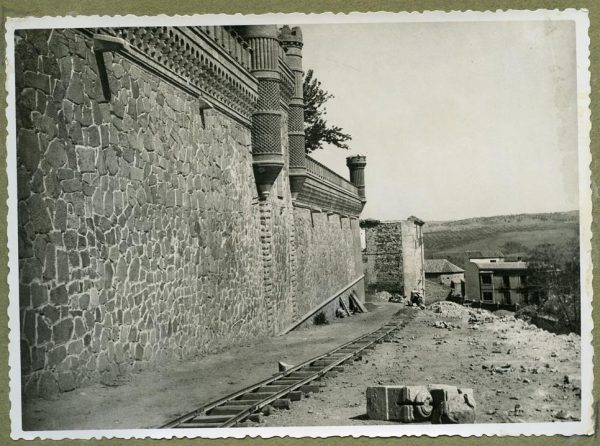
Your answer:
<point x="292" y="40"/>
<point x="267" y="155"/>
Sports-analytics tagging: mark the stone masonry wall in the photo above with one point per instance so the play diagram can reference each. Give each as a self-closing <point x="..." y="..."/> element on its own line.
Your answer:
<point x="384" y="257"/>
<point x="132" y="215"/>
<point x="316" y="232"/>
<point x="141" y="235"/>
<point x="413" y="265"/>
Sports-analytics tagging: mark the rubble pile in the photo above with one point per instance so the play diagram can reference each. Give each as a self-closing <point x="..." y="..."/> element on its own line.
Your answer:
<point x="382" y="296"/>
<point x="449" y="309"/>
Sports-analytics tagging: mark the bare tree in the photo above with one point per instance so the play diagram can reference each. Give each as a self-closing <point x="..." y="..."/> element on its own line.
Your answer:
<point x="553" y="282"/>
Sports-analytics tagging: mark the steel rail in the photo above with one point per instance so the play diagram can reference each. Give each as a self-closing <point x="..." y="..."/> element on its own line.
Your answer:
<point x="180" y="421"/>
<point x="209" y="406"/>
<point x="247" y="412"/>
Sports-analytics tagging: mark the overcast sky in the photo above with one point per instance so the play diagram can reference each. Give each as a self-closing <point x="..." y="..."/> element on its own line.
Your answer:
<point x="457" y="120"/>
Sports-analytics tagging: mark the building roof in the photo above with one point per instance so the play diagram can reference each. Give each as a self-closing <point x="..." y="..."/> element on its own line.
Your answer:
<point x="485" y="254"/>
<point x="497" y="266"/>
<point x="441" y="266"/>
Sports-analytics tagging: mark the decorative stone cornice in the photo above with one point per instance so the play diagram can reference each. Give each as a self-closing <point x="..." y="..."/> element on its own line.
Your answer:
<point x="207" y="62"/>
<point x="326" y="190"/>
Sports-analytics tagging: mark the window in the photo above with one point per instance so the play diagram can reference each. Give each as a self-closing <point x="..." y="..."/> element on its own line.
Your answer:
<point x="493" y="261"/>
<point x="506" y="281"/>
<point x="486" y="279"/>
<point x="507" y="299"/>
<point x="487" y="296"/>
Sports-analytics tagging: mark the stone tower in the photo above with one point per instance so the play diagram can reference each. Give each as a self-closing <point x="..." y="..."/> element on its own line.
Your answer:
<point x="267" y="154"/>
<point x="292" y="41"/>
<point x="357" y="164"/>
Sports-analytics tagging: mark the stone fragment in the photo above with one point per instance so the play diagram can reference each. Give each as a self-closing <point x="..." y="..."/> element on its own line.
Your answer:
<point x="399" y="403"/>
<point x="452" y="405"/>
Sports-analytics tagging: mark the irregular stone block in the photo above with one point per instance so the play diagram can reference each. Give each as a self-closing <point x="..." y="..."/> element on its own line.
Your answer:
<point x="48" y="387"/>
<point x="62" y="331"/>
<point x="38" y="358"/>
<point x="56" y="356"/>
<point x="39" y="295"/>
<point x="452" y="405"/>
<point x="39" y="216"/>
<point x="399" y="403"/>
<point x="62" y="263"/>
<point x="38" y="81"/>
<point x="66" y="381"/>
<point x="56" y="154"/>
<point x="28" y="149"/>
<point x="75" y="89"/>
<point x="59" y="295"/>
<point x="43" y="331"/>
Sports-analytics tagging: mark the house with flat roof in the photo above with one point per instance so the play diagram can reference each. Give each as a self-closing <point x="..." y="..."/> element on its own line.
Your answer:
<point x="498" y="282"/>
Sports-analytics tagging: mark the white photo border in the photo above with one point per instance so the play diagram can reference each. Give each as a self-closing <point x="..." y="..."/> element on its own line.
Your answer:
<point x="583" y="427"/>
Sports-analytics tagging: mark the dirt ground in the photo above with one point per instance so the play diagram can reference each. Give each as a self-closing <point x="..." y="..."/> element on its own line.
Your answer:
<point x="155" y="396"/>
<point x="518" y="372"/>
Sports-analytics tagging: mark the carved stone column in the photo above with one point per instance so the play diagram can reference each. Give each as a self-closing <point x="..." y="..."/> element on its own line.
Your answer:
<point x="356" y="165"/>
<point x="292" y="40"/>
<point x="266" y="120"/>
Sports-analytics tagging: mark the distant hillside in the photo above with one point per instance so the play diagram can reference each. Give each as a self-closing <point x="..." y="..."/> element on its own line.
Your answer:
<point x="511" y="234"/>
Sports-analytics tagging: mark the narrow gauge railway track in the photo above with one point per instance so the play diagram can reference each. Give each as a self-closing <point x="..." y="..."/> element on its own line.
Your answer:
<point x="247" y="403"/>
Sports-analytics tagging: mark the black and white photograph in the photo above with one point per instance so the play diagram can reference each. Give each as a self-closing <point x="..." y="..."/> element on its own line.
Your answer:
<point x="300" y="225"/>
